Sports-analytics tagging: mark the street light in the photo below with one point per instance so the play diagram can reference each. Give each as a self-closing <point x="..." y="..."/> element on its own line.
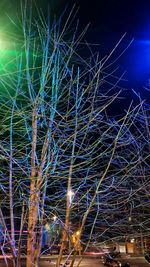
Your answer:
<point x="77" y="232"/>
<point x="70" y="194"/>
<point x="54" y="218"/>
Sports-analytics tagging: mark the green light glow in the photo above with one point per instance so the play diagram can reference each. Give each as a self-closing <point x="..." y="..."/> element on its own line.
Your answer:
<point x="8" y="57"/>
<point x="4" y="43"/>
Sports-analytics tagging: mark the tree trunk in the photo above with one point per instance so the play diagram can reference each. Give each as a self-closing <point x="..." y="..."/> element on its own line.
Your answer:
<point x="33" y="204"/>
<point x="8" y="237"/>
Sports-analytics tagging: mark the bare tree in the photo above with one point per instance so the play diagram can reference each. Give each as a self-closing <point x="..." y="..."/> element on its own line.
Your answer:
<point x="62" y="152"/>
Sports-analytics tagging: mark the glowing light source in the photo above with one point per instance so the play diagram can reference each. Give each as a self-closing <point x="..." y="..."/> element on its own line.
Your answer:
<point x="3" y="44"/>
<point x="54" y="218"/>
<point x="129" y="218"/>
<point x="70" y="195"/>
<point x="77" y="232"/>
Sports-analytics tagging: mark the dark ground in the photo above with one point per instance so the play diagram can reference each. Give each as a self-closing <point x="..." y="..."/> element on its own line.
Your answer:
<point x="90" y="262"/>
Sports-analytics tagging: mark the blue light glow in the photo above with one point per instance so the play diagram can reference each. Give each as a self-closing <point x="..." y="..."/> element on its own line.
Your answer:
<point x="137" y="63"/>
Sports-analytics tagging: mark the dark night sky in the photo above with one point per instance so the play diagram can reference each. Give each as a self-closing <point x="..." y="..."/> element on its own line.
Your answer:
<point x="110" y="19"/>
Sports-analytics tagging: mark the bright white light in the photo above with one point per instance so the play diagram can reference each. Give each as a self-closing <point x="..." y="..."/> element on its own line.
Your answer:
<point x="54" y="218"/>
<point x="70" y="194"/>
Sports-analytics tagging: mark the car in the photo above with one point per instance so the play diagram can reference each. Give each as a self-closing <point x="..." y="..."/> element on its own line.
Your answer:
<point x="96" y="251"/>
